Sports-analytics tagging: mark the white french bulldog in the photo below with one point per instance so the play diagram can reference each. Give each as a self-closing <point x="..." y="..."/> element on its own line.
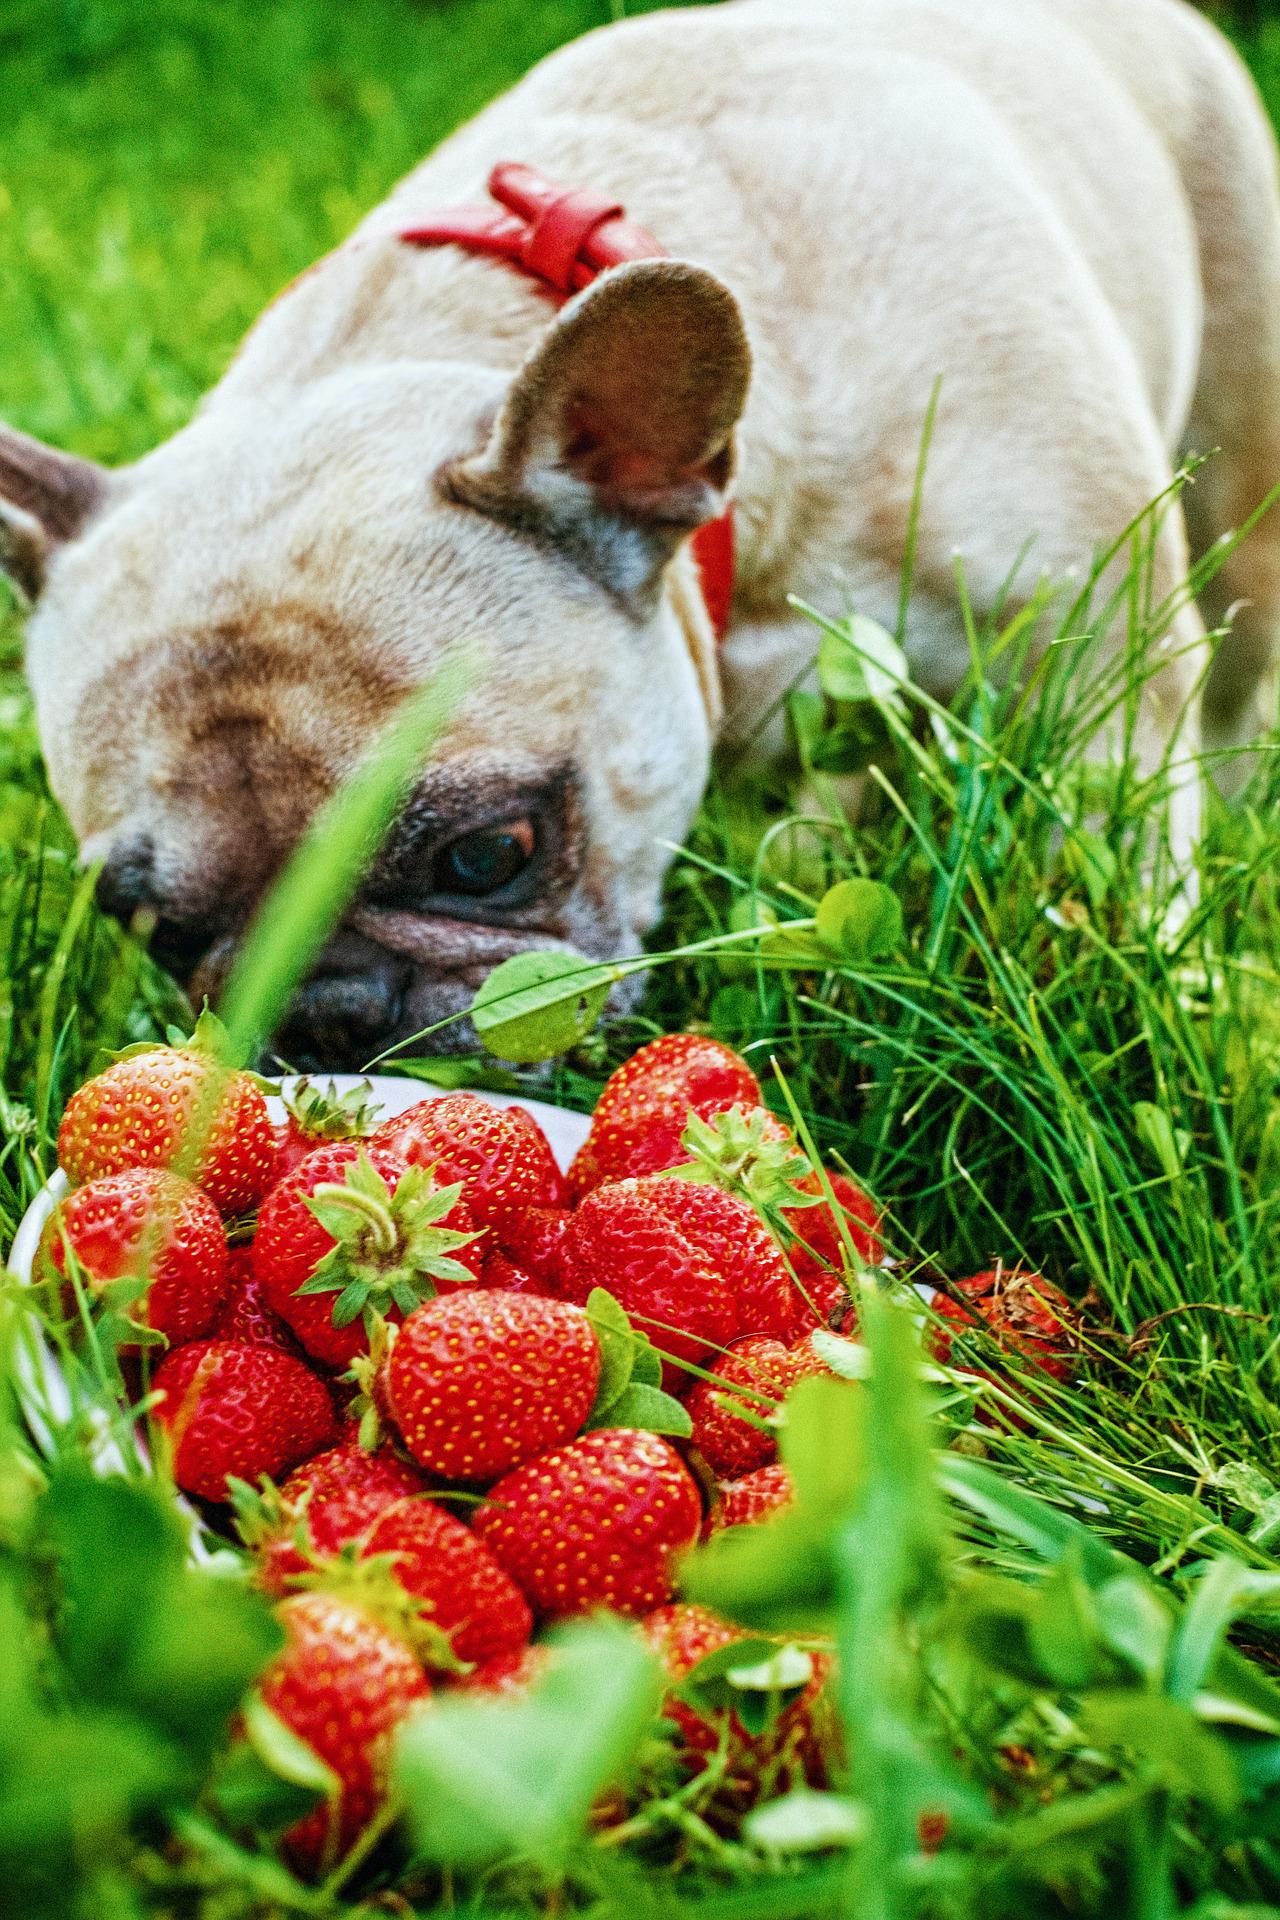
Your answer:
<point x="1067" y="209"/>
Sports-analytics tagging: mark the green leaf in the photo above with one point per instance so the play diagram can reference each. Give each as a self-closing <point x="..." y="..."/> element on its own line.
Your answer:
<point x="1172" y="1744"/>
<point x="823" y="1443"/>
<point x="859" y="921"/>
<point x="482" y="1780"/>
<point x="648" y="1408"/>
<point x="1167" y="1144"/>
<point x="860" y="661"/>
<point x="617" y="1345"/>
<point x="537" y="1005"/>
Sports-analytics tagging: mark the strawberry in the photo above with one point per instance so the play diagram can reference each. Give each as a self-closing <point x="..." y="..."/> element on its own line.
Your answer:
<point x="246" y="1314"/>
<point x="731" y="1445"/>
<point x="500" y="1276"/>
<point x="479" y="1381"/>
<point x="138" y="1113"/>
<point x="353" y="1230"/>
<point x="1021" y="1310"/>
<point x="597" y="1523"/>
<point x="531" y="1238"/>
<point x="753" y="1498"/>
<point x="343" y="1683"/>
<point x="643" y="1107"/>
<point x="316" y="1117"/>
<point x="619" y="1239"/>
<point x="682" y="1635"/>
<point x="230" y="1409"/>
<point x="326" y="1503"/>
<point x="508" y="1674"/>
<point x="454" y="1578"/>
<point x="145" y="1223"/>
<point x="739" y="1245"/>
<point x="819" y="1256"/>
<point x="499" y="1155"/>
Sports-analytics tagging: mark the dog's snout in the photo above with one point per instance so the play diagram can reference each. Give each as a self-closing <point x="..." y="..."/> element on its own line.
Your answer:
<point x="353" y="1001"/>
<point x="128" y="882"/>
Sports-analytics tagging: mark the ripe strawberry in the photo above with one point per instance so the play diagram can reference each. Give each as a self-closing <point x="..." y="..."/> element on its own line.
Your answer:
<point x="738" y="1244"/>
<point x="644" y="1107"/>
<point x="500" y="1276"/>
<point x="731" y="1445"/>
<point x="666" y="1282"/>
<point x="753" y="1498"/>
<point x="597" y="1523"/>
<point x="343" y="1683"/>
<point x="508" y="1674"/>
<point x="682" y="1635"/>
<point x="1022" y="1310"/>
<point x="531" y="1238"/>
<point x="454" y="1578"/>
<point x="147" y="1223"/>
<point x="351" y="1229"/>
<point x="317" y="1117"/>
<point x="246" y="1313"/>
<point x="819" y="1256"/>
<point x="499" y="1155"/>
<point x="325" y="1504"/>
<point x="138" y="1113"/>
<point x="479" y="1381"/>
<point x="239" y="1410"/>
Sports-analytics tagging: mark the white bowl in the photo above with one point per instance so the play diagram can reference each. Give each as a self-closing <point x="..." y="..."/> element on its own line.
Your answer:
<point x="42" y="1391"/>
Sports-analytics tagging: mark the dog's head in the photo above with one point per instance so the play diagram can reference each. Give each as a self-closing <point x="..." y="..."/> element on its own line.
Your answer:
<point x="220" y="632"/>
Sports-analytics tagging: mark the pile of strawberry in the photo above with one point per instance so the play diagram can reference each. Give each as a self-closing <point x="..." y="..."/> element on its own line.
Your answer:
<point x="424" y="1366"/>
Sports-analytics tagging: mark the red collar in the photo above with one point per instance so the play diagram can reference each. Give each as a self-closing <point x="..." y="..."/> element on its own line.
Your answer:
<point x="564" y="238"/>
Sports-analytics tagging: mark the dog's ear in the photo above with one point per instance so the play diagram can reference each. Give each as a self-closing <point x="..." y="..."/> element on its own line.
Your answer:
<point x="45" y="499"/>
<point x="616" y="437"/>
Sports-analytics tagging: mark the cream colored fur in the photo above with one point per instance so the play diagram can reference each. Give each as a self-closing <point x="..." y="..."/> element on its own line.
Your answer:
<point x="1067" y="209"/>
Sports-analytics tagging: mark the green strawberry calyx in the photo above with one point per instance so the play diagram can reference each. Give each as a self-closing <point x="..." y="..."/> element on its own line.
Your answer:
<point x="389" y="1247"/>
<point x="369" y="1581"/>
<point x="739" y="1151"/>
<point x="322" y="1113"/>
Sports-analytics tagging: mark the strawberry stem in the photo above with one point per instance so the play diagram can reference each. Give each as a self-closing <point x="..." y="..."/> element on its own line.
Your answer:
<point x="383" y="1233"/>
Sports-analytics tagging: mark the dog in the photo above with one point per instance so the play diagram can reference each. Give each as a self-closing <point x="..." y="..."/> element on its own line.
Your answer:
<point x="1065" y="209"/>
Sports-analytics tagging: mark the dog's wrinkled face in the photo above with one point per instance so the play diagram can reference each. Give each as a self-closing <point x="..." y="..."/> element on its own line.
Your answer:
<point x="222" y="631"/>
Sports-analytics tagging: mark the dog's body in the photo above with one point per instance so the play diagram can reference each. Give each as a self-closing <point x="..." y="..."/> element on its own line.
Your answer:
<point x="1066" y="208"/>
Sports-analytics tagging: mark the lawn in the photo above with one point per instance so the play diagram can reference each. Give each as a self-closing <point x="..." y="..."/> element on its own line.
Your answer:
<point x="1056" y="1606"/>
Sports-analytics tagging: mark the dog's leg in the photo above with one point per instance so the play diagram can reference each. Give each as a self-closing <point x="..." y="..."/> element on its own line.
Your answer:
<point x="1230" y="174"/>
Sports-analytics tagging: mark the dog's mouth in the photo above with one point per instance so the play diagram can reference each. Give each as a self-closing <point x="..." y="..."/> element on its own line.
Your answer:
<point x="405" y="992"/>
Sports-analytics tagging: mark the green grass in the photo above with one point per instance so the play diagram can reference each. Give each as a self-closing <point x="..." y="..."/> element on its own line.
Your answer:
<point x="1029" y="1072"/>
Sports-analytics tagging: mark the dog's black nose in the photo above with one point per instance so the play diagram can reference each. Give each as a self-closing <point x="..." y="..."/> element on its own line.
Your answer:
<point x="348" y="1008"/>
<point x="127" y="881"/>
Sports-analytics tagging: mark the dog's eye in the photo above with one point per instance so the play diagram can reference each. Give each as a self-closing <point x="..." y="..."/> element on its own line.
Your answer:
<point x="486" y="860"/>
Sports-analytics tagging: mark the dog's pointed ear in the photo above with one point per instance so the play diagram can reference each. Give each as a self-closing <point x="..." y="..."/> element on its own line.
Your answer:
<point x="616" y="437"/>
<point x="46" y="497"/>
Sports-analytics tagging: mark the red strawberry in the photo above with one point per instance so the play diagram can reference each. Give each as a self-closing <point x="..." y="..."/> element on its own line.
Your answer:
<point x="508" y="1674"/>
<point x="246" y="1314"/>
<point x="597" y="1523"/>
<point x="499" y="1155"/>
<point x="500" y="1276"/>
<point x="454" y="1578"/>
<point x="731" y="1445"/>
<point x="387" y="1236"/>
<point x="1021" y="1310"/>
<point x="682" y="1635"/>
<point x="317" y="1117"/>
<point x="531" y="1238"/>
<point x="239" y="1410"/>
<point x="480" y="1381"/>
<point x="734" y="1238"/>
<point x="666" y="1282"/>
<point x="343" y="1683"/>
<point x="819" y="1256"/>
<point x="326" y="1503"/>
<point x="644" y="1107"/>
<point x="144" y="1222"/>
<point x="138" y="1113"/>
<point x="753" y="1498"/>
